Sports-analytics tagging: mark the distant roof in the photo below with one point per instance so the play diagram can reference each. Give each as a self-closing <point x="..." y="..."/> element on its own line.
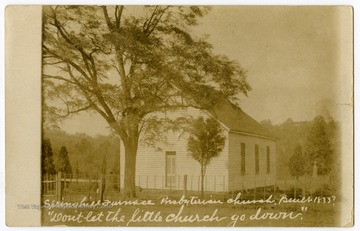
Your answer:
<point x="235" y="119"/>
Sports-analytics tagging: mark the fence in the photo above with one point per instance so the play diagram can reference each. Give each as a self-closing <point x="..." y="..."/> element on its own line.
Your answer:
<point x="75" y="187"/>
<point x="214" y="183"/>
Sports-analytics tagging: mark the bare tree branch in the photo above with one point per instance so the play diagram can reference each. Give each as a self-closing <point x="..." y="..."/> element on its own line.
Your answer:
<point x="118" y="14"/>
<point x="107" y="18"/>
<point x="58" y="78"/>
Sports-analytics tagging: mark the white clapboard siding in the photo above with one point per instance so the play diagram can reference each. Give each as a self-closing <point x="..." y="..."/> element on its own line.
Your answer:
<point x="223" y="173"/>
<point x="250" y="179"/>
<point x="150" y="164"/>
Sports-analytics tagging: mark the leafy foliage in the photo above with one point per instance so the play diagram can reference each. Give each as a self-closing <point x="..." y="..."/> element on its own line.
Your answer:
<point x="206" y="141"/>
<point x="291" y="134"/>
<point x="297" y="162"/>
<point x="318" y="147"/>
<point x="126" y="63"/>
<point x="86" y="153"/>
<point x="62" y="162"/>
<point x="120" y="64"/>
<point x="47" y="161"/>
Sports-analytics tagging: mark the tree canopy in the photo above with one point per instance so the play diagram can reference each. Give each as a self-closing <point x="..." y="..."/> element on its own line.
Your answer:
<point x="85" y="152"/>
<point x="297" y="162"/>
<point x="62" y="162"/>
<point x="206" y="141"/>
<point x="119" y="64"/>
<point x="47" y="160"/>
<point x="318" y="146"/>
<point x="126" y="63"/>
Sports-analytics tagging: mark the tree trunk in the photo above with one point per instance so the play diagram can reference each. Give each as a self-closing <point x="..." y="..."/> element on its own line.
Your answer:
<point x="103" y="179"/>
<point x="131" y="146"/>
<point x="130" y="170"/>
<point x="202" y="181"/>
<point x="103" y="185"/>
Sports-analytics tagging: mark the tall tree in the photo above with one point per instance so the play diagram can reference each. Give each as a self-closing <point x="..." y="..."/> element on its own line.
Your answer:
<point x="47" y="160"/>
<point x="85" y="151"/>
<point x="206" y="141"/>
<point x="62" y="163"/>
<point x="297" y="163"/>
<point x="318" y="147"/>
<point x="85" y="155"/>
<point x="125" y="63"/>
<point x="103" y="151"/>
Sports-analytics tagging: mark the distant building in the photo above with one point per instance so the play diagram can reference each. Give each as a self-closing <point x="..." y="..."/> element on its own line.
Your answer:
<point x="247" y="161"/>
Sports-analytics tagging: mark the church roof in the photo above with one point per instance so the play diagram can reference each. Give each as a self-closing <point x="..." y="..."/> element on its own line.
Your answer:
<point x="235" y="119"/>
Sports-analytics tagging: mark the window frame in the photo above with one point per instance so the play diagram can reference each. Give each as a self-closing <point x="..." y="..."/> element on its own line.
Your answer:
<point x="257" y="160"/>
<point x="242" y="159"/>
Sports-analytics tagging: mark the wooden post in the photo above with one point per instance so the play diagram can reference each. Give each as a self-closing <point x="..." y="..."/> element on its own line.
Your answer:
<point x="223" y="187"/>
<point x="52" y="185"/>
<point x="255" y="189"/>
<point x="205" y="185"/>
<point x="223" y="183"/>
<point x="58" y="187"/>
<point x="264" y="192"/>
<point x="264" y="188"/>
<point x="170" y="178"/>
<point x="119" y="181"/>
<point x="70" y="185"/>
<point x="162" y="182"/>
<point x="274" y="187"/>
<point x="101" y="187"/>
<point x="321" y="191"/>
<point x="47" y="185"/>
<point x="191" y="185"/>
<point x="312" y="188"/>
<point x="65" y="180"/>
<point x="89" y="194"/>
<point x="185" y="185"/>
<point x="214" y="183"/>
<point x="198" y="184"/>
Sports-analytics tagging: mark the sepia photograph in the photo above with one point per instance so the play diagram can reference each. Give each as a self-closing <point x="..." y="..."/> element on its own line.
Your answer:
<point x="194" y="115"/>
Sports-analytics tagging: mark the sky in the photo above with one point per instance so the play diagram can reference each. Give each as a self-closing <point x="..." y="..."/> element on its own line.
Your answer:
<point x="291" y="55"/>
